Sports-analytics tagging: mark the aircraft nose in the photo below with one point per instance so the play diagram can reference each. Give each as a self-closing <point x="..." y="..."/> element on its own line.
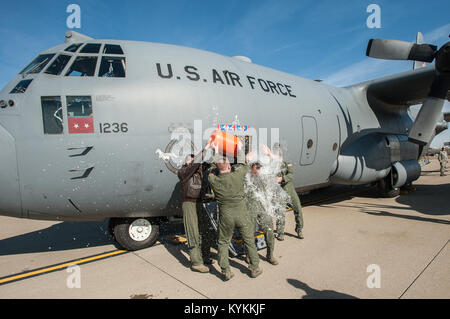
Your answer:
<point x="10" y="202"/>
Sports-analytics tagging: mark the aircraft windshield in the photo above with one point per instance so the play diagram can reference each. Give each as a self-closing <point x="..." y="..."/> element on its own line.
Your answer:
<point x="91" y="48"/>
<point x="83" y="66"/>
<point x="37" y="64"/>
<point x="74" y="47"/>
<point x="112" y="49"/>
<point x="58" y="65"/>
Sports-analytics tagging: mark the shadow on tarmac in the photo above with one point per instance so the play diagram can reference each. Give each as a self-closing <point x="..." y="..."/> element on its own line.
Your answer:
<point x="58" y="237"/>
<point x="420" y="219"/>
<point x="431" y="200"/>
<point x="312" y="293"/>
<point x="181" y="254"/>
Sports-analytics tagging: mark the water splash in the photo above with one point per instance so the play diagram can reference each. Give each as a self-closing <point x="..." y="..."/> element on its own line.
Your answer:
<point x="263" y="192"/>
<point x="176" y="160"/>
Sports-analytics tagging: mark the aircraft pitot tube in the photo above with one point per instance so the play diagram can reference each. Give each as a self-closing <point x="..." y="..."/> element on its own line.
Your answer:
<point x="430" y="112"/>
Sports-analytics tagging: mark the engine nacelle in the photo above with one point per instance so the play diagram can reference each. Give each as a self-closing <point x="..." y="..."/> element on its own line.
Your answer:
<point x="405" y="172"/>
<point x="372" y="157"/>
<point x="353" y="170"/>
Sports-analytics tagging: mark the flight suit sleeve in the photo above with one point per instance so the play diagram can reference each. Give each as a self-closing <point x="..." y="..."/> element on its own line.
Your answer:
<point x="186" y="172"/>
<point x="212" y="179"/>
<point x="241" y="167"/>
<point x="289" y="176"/>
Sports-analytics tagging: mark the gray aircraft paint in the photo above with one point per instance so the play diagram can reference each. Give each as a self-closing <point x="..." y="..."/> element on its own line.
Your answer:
<point x="126" y="177"/>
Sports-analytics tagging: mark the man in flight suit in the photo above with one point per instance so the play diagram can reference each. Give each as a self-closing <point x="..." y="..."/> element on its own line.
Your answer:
<point x="285" y="178"/>
<point x="258" y="212"/>
<point x="194" y="218"/>
<point x="228" y="188"/>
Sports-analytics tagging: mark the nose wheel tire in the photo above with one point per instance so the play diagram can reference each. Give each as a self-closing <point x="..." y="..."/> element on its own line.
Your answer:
<point x="134" y="233"/>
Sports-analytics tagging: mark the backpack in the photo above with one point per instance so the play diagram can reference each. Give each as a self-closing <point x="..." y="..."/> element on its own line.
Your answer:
<point x="194" y="186"/>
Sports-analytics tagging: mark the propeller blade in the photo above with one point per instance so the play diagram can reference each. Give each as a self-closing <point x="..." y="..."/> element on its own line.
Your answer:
<point x="447" y="117"/>
<point x="400" y="50"/>
<point x="431" y="111"/>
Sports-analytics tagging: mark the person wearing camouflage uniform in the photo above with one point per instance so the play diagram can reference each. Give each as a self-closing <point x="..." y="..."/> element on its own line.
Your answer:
<point x="228" y="188"/>
<point x="443" y="159"/>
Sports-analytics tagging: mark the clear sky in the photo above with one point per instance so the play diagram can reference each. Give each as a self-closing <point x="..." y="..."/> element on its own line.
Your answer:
<point x="315" y="39"/>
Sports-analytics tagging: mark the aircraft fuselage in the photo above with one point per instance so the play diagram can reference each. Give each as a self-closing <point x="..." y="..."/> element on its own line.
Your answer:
<point x="103" y="164"/>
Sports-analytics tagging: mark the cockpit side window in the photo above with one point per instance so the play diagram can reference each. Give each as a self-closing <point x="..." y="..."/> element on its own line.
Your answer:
<point x="21" y="87"/>
<point x="112" y="67"/>
<point x="83" y="66"/>
<point x="112" y="49"/>
<point x="52" y="114"/>
<point x="58" y="65"/>
<point x="74" y="47"/>
<point x="91" y="48"/>
<point x="79" y="106"/>
<point x="38" y="64"/>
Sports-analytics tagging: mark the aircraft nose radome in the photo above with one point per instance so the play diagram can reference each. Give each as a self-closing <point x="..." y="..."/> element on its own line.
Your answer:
<point x="10" y="202"/>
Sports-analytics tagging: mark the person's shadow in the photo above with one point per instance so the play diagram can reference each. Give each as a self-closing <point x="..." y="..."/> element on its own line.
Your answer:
<point x="180" y="251"/>
<point x="312" y="293"/>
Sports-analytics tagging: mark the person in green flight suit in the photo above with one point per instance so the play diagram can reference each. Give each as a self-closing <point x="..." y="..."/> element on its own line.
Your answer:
<point x="285" y="177"/>
<point x="228" y="186"/>
<point x="258" y="213"/>
<point x="199" y="237"/>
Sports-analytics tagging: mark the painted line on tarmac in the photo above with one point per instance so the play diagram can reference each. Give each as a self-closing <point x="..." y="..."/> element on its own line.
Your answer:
<point x="49" y="269"/>
<point x="57" y="267"/>
<point x="423" y="270"/>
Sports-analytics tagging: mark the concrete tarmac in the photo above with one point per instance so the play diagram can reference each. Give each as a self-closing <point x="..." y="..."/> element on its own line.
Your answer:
<point x="359" y="246"/>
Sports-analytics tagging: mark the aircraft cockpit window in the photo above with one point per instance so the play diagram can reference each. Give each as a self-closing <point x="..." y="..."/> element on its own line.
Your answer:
<point x="112" y="49"/>
<point x="38" y="64"/>
<point x="80" y="116"/>
<point x="79" y="106"/>
<point x="21" y="87"/>
<point x="83" y="66"/>
<point x="91" y="48"/>
<point x="52" y="114"/>
<point x="113" y="67"/>
<point x="73" y="48"/>
<point x="58" y="65"/>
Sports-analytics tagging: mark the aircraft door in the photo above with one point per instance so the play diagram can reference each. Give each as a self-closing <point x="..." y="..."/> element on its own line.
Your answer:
<point x="309" y="146"/>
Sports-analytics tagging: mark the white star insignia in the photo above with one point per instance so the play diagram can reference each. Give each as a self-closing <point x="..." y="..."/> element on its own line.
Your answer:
<point x="86" y="125"/>
<point x="75" y="126"/>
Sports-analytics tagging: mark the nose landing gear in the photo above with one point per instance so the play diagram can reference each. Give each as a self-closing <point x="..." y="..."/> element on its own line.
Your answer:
<point x="134" y="233"/>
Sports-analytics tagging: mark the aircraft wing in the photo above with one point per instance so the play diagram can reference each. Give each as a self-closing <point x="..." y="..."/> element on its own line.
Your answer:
<point x="402" y="89"/>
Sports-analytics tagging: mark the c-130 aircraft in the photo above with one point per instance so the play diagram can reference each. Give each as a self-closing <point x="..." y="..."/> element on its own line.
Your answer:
<point x="79" y="126"/>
